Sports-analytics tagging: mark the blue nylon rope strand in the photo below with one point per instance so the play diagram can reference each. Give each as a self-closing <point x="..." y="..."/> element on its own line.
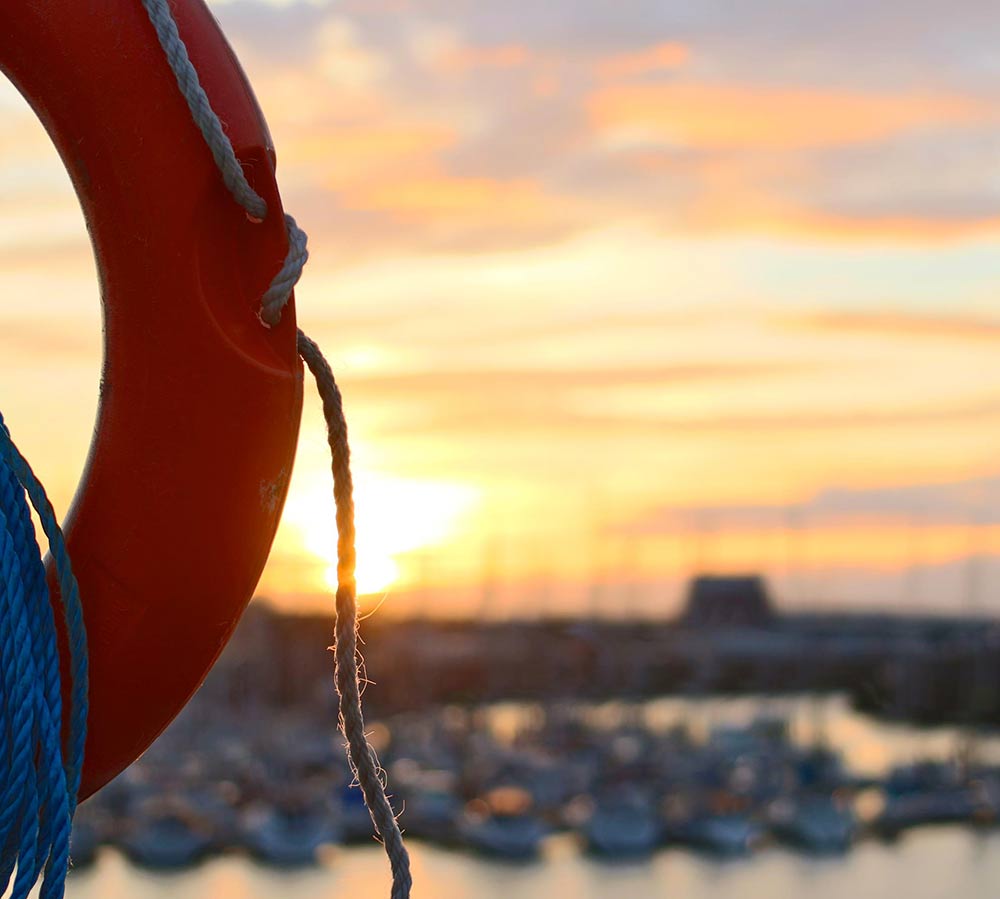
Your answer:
<point x="69" y="592"/>
<point x="34" y="815"/>
<point x="15" y="690"/>
<point x="39" y="788"/>
<point x="53" y="803"/>
<point x="30" y="692"/>
<point x="22" y="788"/>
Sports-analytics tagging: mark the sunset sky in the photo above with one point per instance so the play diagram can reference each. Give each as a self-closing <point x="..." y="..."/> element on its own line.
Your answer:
<point x="616" y="291"/>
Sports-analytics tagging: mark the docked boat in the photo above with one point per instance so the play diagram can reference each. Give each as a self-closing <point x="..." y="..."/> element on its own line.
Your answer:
<point x="354" y="819"/>
<point x="926" y="793"/>
<point x="732" y="834"/>
<point x="288" y="835"/>
<point x="816" y="824"/>
<point x="432" y="814"/>
<point x="512" y="837"/>
<point x="622" y="830"/>
<point x="166" y="837"/>
<point x="954" y="805"/>
<point x="502" y="825"/>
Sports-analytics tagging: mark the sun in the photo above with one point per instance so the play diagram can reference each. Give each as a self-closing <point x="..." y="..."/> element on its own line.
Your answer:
<point x="393" y="516"/>
<point x="373" y="573"/>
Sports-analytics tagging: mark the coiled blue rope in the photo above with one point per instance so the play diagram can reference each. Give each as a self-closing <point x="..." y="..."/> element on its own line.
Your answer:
<point x="39" y="776"/>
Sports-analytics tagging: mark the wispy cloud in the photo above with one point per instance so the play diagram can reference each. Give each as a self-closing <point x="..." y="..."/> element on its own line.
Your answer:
<point x="964" y="503"/>
<point x="541" y="415"/>
<point x="898" y="324"/>
<point x="724" y="116"/>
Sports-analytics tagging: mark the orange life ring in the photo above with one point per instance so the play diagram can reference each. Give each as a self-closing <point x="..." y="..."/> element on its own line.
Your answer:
<point x="200" y="404"/>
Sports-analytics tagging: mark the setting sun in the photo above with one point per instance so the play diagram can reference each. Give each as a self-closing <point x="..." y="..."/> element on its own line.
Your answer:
<point x="395" y="516"/>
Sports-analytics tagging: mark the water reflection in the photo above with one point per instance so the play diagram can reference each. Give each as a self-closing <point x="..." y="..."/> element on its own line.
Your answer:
<point x="546" y="786"/>
<point x="869" y="747"/>
<point x="929" y="864"/>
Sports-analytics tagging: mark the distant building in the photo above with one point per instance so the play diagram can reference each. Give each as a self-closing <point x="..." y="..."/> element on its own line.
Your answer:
<point x="739" y="601"/>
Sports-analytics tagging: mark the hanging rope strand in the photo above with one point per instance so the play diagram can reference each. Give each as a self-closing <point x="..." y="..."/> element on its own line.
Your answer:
<point x="362" y="756"/>
<point x="275" y="298"/>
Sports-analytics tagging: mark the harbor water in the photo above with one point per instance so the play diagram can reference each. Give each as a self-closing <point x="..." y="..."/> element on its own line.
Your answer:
<point x="932" y="863"/>
<point x="867" y="745"/>
<point x="929" y="862"/>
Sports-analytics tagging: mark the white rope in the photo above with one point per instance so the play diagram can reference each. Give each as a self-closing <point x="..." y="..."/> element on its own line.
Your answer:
<point x="360" y="753"/>
<point x="277" y="295"/>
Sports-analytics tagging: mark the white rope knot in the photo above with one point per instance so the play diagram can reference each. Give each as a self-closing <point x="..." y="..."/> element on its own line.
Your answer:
<point x="277" y="295"/>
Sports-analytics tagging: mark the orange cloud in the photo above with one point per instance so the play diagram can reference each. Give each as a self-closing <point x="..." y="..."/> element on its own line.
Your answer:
<point x="441" y="195"/>
<point x="356" y="153"/>
<point x="437" y="200"/>
<point x="669" y="55"/>
<point x="901" y="324"/>
<point x="548" y="415"/>
<point x="721" y="116"/>
<point x="456" y="60"/>
<point x="726" y="206"/>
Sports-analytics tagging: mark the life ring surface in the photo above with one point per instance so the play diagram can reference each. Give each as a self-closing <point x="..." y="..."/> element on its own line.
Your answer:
<point x="200" y="404"/>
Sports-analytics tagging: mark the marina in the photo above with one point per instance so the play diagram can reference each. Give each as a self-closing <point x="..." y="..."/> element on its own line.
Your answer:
<point x="614" y="782"/>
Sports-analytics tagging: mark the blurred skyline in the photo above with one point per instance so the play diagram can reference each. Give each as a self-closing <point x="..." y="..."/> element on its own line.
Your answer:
<point x="615" y="292"/>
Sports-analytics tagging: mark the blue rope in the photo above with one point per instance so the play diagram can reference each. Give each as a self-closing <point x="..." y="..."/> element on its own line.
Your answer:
<point x="40" y="777"/>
